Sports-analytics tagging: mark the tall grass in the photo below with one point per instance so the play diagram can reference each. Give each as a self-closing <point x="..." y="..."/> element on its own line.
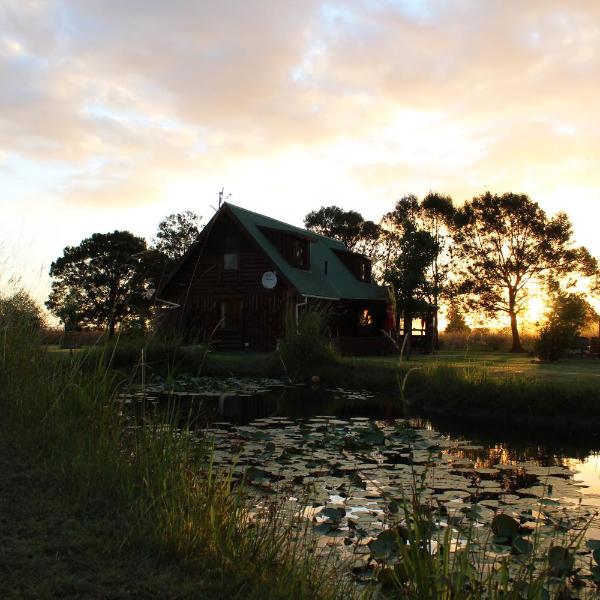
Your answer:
<point x="305" y="344"/>
<point x="151" y="479"/>
<point x="475" y="390"/>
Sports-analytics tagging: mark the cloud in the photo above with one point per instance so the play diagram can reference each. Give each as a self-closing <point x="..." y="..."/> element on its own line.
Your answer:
<point x="397" y="94"/>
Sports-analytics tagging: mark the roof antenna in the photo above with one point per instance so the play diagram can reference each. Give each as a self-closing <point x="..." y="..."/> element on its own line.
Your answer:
<point x="221" y="199"/>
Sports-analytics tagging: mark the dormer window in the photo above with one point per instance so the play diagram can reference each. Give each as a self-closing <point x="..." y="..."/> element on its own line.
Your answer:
<point x="365" y="271"/>
<point x="357" y="264"/>
<point x="294" y="247"/>
<point x="231" y="261"/>
<point x="299" y="253"/>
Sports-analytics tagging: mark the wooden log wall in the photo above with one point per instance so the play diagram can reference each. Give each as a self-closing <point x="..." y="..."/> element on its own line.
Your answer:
<point x="202" y="283"/>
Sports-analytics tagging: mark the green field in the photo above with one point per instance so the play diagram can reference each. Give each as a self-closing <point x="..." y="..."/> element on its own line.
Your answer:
<point x="574" y="370"/>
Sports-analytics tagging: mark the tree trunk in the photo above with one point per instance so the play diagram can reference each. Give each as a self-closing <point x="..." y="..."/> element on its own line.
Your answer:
<point x="516" y="339"/>
<point x="435" y="345"/>
<point x="436" y="299"/>
<point x="407" y="342"/>
<point x="112" y="317"/>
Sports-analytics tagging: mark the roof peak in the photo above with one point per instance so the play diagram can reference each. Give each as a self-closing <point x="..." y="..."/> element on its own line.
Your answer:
<point x="288" y="225"/>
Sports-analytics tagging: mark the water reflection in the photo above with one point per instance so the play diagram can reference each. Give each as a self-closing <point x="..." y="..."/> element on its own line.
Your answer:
<point x="349" y="461"/>
<point x="485" y="448"/>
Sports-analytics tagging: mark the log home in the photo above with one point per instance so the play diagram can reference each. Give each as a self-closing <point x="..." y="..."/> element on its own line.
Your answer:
<point x="247" y="274"/>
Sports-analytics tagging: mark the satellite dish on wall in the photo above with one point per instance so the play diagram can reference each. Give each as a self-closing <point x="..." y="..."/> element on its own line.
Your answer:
<point x="269" y="280"/>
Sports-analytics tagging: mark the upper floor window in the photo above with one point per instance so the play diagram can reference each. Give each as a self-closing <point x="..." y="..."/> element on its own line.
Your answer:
<point x="300" y="253"/>
<point x="231" y="261"/>
<point x="294" y="247"/>
<point x="365" y="271"/>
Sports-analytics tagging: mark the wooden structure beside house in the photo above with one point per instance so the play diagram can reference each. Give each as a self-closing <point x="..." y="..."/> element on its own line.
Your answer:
<point x="247" y="274"/>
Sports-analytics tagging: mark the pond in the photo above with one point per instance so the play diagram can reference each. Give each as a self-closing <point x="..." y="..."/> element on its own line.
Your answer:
<point x="355" y="466"/>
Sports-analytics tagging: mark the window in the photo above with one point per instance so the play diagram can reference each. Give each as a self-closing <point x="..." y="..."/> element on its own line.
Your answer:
<point x="365" y="318"/>
<point x="299" y="253"/>
<point x="231" y="314"/>
<point x="231" y="261"/>
<point x="365" y="271"/>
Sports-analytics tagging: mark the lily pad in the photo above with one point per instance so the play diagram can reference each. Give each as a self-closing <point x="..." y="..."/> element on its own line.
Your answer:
<point x="560" y="561"/>
<point x="505" y="526"/>
<point x="384" y="546"/>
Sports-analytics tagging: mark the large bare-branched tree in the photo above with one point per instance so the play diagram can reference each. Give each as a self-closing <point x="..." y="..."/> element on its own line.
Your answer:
<point x="503" y="244"/>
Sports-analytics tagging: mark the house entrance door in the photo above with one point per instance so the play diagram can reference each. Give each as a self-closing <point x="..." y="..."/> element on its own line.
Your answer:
<point x="231" y="324"/>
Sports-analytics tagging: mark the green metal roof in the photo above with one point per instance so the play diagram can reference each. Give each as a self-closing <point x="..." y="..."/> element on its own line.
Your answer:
<point x="338" y="283"/>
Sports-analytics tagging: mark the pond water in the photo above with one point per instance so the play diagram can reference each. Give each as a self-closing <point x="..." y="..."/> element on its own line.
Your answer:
<point x="354" y="464"/>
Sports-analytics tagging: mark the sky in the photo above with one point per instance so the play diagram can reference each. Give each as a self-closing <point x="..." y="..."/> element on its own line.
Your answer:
<point x="114" y="114"/>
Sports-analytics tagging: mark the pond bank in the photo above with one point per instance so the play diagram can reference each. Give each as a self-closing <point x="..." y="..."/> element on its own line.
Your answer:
<point x="472" y="391"/>
<point x="568" y="427"/>
<point x="475" y="395"/>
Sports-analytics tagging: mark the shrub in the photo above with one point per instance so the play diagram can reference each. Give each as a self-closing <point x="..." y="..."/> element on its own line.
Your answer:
<point x="125" y="351"/>
<point x="456" y="321"/>
<point x="482" y="339"/>
<point x="305" y="343"/>
<point x="20" y="310"/>
<point x="564" y="322"/>
<point x="56" y="336"/>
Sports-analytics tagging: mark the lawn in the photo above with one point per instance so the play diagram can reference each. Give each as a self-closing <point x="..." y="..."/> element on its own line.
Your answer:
<point x="573" y="370"/>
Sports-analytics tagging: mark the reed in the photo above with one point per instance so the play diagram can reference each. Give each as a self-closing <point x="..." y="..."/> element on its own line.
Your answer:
<point x="149" y="478"/>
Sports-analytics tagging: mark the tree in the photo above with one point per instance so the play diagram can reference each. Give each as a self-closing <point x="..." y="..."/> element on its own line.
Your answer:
<point x="101" y="282"/>
<point x="176" y="233"/>
<point x="433" y="215"/>
<point x="410" y="252"/>
<point x="502" y="244"/>
<point x="564" y="322"/>
<point x="456" y="320"/>
<point x="436" y="213"/>
<point x="347" y="226"/>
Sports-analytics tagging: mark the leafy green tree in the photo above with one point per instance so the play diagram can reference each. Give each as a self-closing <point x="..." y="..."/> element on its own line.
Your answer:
<point x="410" y="253"/>
<point x="102" y="282"/>
<point x="504" y="243"/>
<point x="176" y="233"/>
<point x="68" y="311"/>
<point x="347" y="226"/>
<point x="436" y="212"/>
